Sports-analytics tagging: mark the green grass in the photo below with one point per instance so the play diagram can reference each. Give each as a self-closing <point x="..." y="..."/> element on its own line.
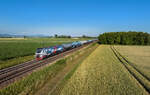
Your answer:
<point x="102" y="74"/>
<point x="139" y="56"/>
<point x="34" y="82"/>
<point x="15" y="51"/>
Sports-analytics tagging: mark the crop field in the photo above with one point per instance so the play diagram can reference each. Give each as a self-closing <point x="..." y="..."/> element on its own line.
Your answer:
<point x="17" y="50"/>
<point x="102" y="74"/>
<point x="139" y="56"/>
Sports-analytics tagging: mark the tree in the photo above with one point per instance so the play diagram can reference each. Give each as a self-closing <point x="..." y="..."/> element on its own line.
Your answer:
<point x="55" y="35"/>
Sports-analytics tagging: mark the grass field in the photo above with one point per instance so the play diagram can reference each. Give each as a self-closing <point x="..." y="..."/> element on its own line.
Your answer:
<point x="18" y="50"/>
<point x="139" y="56"/>
<point x="102" y="74"/>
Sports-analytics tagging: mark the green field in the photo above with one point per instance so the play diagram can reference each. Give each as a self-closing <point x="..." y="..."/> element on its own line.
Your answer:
<point x="17" y="50"/>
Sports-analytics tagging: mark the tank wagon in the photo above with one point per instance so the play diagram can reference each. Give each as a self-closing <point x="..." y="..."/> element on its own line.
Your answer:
<point x="42" y="53"/>
<point x="67" y="46"/>
<point x="83" y="42"/>
<point x="76" y="44"/>
<point x="60" y="49"/>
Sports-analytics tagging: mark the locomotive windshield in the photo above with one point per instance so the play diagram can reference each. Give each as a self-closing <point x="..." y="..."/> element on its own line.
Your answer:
<point x="38" y="50"/>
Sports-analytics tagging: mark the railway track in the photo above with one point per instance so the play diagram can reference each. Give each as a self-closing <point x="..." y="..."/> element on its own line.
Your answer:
<point x="140" y="77"/>
<point x="11" y="74"/>
<point x="3" y="71"/>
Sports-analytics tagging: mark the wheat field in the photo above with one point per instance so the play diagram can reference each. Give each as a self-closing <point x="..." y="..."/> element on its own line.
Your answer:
<point x="139" y="57"/>
<point x="102" y="74"/>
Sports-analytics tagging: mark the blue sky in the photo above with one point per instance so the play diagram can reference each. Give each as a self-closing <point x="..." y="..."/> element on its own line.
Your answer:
<point x="73" y="17"/>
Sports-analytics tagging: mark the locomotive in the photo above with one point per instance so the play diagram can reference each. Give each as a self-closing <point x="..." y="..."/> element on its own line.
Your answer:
<point x="42" y="53"/>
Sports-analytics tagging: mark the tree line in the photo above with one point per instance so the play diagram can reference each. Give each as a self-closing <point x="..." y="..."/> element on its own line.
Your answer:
<point x="61" y="36"/>
<point x="125" y="38"/>
<point x="68" y="36"/>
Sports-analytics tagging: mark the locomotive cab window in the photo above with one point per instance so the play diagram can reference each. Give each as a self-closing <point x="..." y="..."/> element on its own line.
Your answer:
<point x="39" y="50"/>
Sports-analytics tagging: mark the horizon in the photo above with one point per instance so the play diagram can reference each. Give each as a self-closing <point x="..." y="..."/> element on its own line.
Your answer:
<point x="42" y="35"/>
<point x="73" y="17"/>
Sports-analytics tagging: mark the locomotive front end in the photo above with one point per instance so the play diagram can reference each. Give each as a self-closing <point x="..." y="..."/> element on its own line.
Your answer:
<point x="39" y="55"/>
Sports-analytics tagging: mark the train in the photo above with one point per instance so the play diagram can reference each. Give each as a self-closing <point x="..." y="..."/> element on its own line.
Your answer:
<point x="45" y="52"/>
